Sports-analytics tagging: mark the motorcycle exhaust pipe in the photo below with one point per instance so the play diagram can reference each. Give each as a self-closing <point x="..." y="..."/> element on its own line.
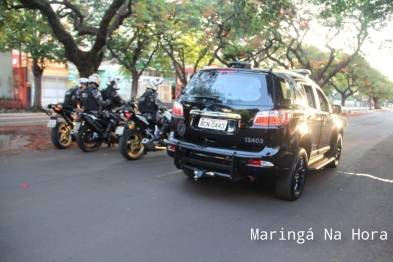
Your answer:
<point x="148" y="144"/>
<point x="250" y="178"/>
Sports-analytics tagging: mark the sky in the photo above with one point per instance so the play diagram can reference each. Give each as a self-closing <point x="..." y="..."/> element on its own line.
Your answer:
<point x="381" y="59"/>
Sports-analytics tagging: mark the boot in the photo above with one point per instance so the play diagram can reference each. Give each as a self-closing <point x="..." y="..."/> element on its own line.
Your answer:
<point x="161" y="131"/>
<point x="108" y="129"/>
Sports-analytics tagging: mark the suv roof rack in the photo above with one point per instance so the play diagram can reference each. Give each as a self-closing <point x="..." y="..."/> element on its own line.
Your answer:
<point x="304" y="72"/>
<point x="240" y="64"/>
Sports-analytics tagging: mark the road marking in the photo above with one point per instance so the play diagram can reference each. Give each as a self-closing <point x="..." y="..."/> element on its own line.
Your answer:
<point x="169" y="173"/>
<point x="370" y="176"/>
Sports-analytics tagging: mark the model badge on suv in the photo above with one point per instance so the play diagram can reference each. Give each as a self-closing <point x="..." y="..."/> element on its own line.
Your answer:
<point x="247" y="124"/>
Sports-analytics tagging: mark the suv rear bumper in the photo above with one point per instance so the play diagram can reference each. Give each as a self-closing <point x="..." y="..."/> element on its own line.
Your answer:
<point x="232" y="164"/>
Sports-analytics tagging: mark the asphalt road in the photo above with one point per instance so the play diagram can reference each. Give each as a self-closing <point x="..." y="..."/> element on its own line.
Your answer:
<point x="66" y="205"/>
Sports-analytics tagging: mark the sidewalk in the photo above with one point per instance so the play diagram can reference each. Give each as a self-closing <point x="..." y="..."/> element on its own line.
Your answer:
<point x="22" y="114"/>
<point x="354" y="110"/>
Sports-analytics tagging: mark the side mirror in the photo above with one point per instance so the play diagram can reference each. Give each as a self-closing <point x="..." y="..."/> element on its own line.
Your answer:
<point x="337" y="109"/>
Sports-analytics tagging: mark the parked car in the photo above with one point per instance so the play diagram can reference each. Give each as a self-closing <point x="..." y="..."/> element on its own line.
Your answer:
<point x="247" y="124"/>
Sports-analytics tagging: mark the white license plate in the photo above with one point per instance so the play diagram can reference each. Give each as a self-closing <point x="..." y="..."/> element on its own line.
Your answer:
<point x="119" y="130"/>
<point x="216" y="124"/>
<point x="51" y="123"/>
<point x="76" y="126"/>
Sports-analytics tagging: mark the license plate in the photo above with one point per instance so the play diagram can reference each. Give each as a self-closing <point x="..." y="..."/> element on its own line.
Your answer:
<point x="210" y="123"/>
<point x="51" y="123"/>
<point x="76" y="127"/>
<point x="119" y="130"/>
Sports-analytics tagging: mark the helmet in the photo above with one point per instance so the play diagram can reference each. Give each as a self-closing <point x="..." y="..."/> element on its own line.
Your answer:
<point x="154" y="82"/>
<point x="83" y="81"/>
<point x="95" y="78"/>
<point x="117" y="80"/>
<point x="114" y="80"/>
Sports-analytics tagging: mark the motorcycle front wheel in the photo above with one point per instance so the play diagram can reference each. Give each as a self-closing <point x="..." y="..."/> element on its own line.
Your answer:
<point x="88" y="139"/>
<point x="61" y="135"/>
<point x="130" y="144"/>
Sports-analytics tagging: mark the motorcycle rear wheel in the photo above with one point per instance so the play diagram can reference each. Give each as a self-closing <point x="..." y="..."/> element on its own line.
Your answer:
<point x="130" y="144"/>
<point x="85" y="139"/>
<point x="61" y="135"/>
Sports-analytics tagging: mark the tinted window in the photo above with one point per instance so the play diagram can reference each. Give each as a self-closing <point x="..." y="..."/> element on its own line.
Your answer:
<point x="310" y="96"/>
<point x="232" y="87"/>
<point x="323" y="103"/>
<point x="292" y="92"/>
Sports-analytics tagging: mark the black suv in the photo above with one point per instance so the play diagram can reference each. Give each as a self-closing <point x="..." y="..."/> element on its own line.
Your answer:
<point x="244" y="123"/>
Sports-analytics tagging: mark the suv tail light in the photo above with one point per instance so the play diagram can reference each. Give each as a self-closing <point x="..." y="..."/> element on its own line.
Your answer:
<point x="177" y="109"/>
<point x="273" y="118"/>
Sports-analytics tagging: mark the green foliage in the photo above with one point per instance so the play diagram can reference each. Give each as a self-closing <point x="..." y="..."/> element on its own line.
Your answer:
<point x="375" y="85"/>
<point x="28" y="32"/>
<point x="173" y="35"/>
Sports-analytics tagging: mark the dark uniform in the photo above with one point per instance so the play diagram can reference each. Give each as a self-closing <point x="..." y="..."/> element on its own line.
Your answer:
<point x="92" y="100"/>
<point x="71" y="100"/>
<point x="150" y="106"/>
<point x="108" y="111"/>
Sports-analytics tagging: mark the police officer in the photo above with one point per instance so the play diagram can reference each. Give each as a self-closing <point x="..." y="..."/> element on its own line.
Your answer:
<point x="108" y="111"/>
<point x="149" y="105"/>
<point x="83" y="82"/>
<point x="111" y="92"/>
<point x="72" y="98"/>
<point x="92" y="98"/>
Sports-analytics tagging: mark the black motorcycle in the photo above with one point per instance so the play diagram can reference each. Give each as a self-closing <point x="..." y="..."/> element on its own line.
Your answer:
<point x="135" y="141"/>
<point x="61" y="130"/>
<point x="92" y="128"/>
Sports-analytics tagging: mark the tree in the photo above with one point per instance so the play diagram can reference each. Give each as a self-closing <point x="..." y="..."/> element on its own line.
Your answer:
<point x="28" y="32"/>
<point x="181" y="37"/>
<point x="82" y="27"/>
<point x="350" y="18"/>
<point x="136" y="45"/>
<point x="241" y="30"/>
<point x="376" y="86"/>
<point x="205" y="32"/>
<point x="346" y="80"/>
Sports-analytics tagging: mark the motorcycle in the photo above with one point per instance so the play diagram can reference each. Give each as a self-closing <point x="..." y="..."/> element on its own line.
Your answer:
<point x="135" y="141"/>
<point x="92" y="128"/>
<point x="61" y="131"/>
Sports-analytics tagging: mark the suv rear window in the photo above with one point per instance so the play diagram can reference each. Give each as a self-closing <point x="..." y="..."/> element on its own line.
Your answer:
<point x="232" y="87"/>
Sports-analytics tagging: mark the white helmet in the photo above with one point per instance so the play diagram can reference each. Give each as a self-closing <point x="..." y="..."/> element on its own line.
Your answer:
<point x="83" y="81"/>
<point x="154" y="82"/>
<point x="95" y="78"/>
<point x="111" y="79"/>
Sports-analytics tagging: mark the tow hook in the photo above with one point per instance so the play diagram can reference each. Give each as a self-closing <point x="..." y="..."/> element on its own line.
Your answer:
<point x="197" y="174"/>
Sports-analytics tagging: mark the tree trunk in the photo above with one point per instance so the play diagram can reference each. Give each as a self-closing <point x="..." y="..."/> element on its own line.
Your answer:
<point x="343" y="98"/>
<point x="134" y="89"/>
<point x="87" y="63"/>
<point x="375" y="99"/>
<point x="37" y="72"/>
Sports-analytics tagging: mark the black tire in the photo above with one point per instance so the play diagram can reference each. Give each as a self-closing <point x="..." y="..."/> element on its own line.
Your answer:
<point x="189" y="173"/>
<point x="84" y="139"/>
<point x="130" y="144"/>
<point x="336" y="152"/>
<point x="290" y="186"/>
<point x="60" y="135"/>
